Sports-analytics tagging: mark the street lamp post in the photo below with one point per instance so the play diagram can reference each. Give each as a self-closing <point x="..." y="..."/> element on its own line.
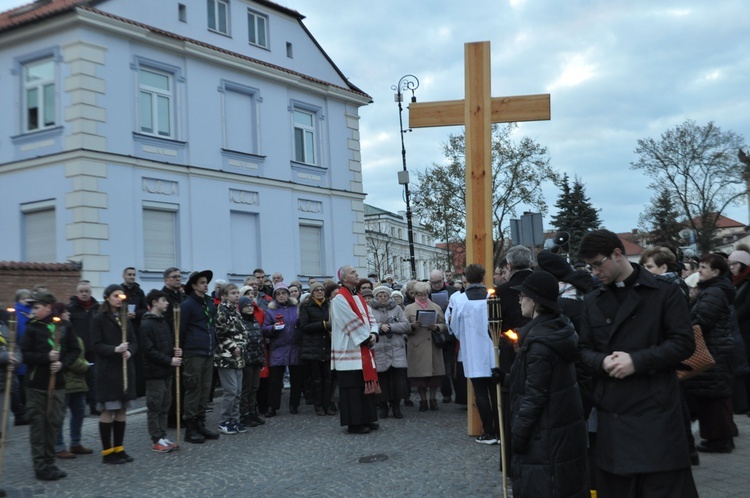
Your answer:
<point x="411" y="83"/>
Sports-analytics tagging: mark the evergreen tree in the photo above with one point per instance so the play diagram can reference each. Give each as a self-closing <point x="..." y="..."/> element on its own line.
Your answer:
<point x="576" y="215"/>
<point x="660" y="221"/>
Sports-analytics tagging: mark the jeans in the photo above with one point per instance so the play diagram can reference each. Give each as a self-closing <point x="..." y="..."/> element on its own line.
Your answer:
<point x="250" y="385"/>
<point x="231" y="382"/>
<point x="77" y="404"/>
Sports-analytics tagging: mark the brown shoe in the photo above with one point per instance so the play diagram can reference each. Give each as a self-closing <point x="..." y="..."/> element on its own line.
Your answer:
<point x="64" y="454"/>
<point x="81" y="450"/>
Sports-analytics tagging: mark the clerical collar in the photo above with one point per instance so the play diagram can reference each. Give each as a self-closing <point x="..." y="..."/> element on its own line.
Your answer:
<point x="631" y="279"/>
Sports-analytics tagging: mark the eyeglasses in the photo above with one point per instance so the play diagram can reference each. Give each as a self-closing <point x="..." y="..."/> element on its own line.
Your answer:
<point x="598" y="264"/>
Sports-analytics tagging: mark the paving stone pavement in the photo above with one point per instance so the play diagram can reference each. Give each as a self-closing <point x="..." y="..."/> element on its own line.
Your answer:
<point x="428" y="454"/>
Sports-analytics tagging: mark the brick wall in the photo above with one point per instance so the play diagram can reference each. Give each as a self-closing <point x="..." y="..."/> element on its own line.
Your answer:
<point x="60" y="278"/>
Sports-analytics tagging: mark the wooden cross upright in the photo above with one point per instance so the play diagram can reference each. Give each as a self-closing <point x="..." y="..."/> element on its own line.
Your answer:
<point x="477" y="112"/>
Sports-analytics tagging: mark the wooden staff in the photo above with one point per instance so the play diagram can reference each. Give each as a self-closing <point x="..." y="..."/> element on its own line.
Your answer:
<point x="124" y="327"/>
<point x="53" y="375"/>
<point x="13" y="322"/>
<point x="176" y="316"/>
<point x="495" y="322"/>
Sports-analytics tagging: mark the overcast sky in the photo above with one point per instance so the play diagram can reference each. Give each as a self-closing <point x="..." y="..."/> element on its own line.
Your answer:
<point x="616" y="72"/>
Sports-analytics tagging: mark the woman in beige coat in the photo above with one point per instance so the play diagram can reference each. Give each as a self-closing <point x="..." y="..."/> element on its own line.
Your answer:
<point x="425" y="360"/>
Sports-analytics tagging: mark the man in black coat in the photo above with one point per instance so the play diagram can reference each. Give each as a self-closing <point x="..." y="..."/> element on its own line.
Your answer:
<point x="635" y="331"/>
<point x="82" y="308"/>
<point x="136" y="303"/>
<point x="440" y="294"/>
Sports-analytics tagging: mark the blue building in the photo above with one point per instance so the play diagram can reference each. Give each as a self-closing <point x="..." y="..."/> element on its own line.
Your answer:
<point x="198" y="134"/>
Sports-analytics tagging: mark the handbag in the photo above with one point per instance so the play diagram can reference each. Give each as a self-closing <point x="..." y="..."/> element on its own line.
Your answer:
<point x="701" y="359"/>
<point x="438" y="338"/>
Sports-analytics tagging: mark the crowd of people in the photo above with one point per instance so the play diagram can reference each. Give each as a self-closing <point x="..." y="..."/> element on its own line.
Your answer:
<point x="588" y="387"/>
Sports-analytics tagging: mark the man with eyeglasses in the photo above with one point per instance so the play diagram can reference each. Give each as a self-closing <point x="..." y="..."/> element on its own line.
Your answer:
<point x="635" y="331"/>
<point x="175" y="295"/>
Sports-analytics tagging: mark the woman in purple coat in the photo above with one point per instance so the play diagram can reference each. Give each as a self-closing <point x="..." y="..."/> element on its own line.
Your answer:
<point x="280" y="326"/>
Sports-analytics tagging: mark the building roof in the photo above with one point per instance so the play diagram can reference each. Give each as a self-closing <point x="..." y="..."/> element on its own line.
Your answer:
<point x="721" y="222"/>
<point x="44" y="9"/>
<point x="631" y="243"/>
<point x="376" y="211"/>
<point x="28" y="266"/>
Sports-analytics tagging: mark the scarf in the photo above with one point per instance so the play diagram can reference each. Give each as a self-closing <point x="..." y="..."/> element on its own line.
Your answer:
<point x="741" y="277"/>
<point x="424" y="304"/>
<point x="369" y="370"/>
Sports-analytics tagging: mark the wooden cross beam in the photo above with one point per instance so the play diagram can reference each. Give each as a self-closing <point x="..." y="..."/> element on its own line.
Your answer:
<point x="477" y="112"/>
<point x="472" y="112"/>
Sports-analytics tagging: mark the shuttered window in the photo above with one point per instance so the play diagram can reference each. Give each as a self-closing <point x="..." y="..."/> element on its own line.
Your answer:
<point x="311" y="249"/>
<point x="159" y="237"/>
<point x="40" y="242"/>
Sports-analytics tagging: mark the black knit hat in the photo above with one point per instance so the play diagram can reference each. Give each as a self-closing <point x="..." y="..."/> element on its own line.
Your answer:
<point x="542" y="287"/>
<point x="554" y="264"/>
<point x="111" y="288"/>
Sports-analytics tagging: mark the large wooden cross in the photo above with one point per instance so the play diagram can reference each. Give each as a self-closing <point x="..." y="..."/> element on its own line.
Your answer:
<point x="477" y="112"/>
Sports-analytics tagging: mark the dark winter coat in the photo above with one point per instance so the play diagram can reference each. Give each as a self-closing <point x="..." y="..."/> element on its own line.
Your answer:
<point x="315" y="323"/>
<point x="512" y="316"/>
<point x="35" y="346"/>
<point x="547" y="423"/>
<point x="255" y="350"/>
<point x="80" y="318"/>
<point x="174" y="298"/>
<point x="135" y="295"/>
<point x="285" y="344"/>
<point x="230" y="335"/>
<point x="75" y="375"/>
<point x="639" y="416"/>
<point x="156" y="343"/>
<point x="197" y="336"/>
<point x="106" y="335"/>
<point x="711" y="311"/>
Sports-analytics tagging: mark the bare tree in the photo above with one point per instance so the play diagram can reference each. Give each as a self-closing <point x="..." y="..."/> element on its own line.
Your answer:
<point x="518" y="170"/>
<point x="698" y="165"/>
<point x="383" y="249"/>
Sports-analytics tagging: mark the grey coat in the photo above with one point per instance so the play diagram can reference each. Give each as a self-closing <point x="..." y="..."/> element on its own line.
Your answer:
<point x="390" y="350"/>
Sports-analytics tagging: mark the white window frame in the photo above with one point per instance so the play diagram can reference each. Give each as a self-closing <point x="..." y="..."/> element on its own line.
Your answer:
<point x="254" y="21"/>
<point x="48" y="241"/>
<point x="40" y="86"/>
<point x="154" y="94"/>
<point x="214" y="7"/>
<point x="308" y="135"/>
<point x="155" y="263"/>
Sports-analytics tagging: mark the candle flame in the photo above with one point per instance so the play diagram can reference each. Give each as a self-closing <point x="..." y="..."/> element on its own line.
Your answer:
<point x="511" y="334"/>
<point x="491" y="293"/>
<point x="122" y="296"/>
<point x="10" y="310"/>
<point x="55" y="319"/>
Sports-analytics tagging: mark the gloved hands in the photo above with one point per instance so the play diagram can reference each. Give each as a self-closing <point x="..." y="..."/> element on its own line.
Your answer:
<point x="498" y="376"/>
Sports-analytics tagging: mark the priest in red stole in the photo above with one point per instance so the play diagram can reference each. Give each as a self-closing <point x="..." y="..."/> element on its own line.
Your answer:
<point x="354" y="334"/>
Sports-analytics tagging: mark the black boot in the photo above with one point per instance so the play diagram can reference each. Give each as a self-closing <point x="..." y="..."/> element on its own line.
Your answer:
<point x="205" y="431"/>
<point x="191" y="432"/>
<point x="255" y="417"/>
<point x="396" y="408"/>
<point x="383" y="410"/>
